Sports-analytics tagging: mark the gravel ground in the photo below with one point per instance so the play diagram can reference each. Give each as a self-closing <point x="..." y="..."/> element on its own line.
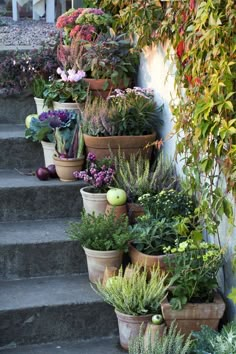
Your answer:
<point x="25" y="32"/>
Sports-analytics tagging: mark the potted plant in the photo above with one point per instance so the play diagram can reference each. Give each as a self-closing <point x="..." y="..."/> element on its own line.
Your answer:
<point x="68" y="92"/>
<point x="138" y="176"/>
<point x="125" y="122"/>
<point x="42" y="129"/>
<point x="104" y="238"/>
<point x="135" y="297"/>
<point x="99" y="174"/>
<point x="169" y="342"/>
<point x="69" y="147"/>
<point x="38" y="87"/>
<point x="193" y="300"/>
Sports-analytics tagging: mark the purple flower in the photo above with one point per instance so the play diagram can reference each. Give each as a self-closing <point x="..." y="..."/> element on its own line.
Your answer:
<point x="91" y="157"/>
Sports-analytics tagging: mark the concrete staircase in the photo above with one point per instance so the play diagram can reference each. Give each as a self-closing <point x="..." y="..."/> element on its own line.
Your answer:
<point x="45" y="295"/>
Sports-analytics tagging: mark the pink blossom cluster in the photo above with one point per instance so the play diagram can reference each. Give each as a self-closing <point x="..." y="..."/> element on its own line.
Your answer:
<point x="98" y="173"/>
<point x="71" y="75"/>
<point x="84" y="32"/>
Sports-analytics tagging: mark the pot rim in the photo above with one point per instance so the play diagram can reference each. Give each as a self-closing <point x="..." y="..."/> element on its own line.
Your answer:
<point x="126" y="316"/>
<point x="122" y="137"/>
<point x="83" y="190"/>
<point x="100" y="254"/>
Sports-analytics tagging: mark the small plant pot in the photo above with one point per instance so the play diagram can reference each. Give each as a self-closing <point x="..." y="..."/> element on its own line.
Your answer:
<point x="98" y="261"/>
<point x="130" y="326"/>
<point x="194" y="315"/>
<point x="109" y="273"/>
<point x="152" y="333"/>
<point x="69" y="106"/>
<point x="134" y="210"/>
<point x="40" y="107"/>
<point x="119" y="210"/>
<point x="48" y="152"/>
<point x="93" y="202"/>
<point x="66" y="167"/>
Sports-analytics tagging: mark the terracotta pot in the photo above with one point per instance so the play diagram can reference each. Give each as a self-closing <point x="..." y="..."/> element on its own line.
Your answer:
<point x="66" y="167"/>
<point x="93" y="202"/>
<point x="101" y="146"/>
<point x="134" y="210"/>
<point x="98" y="261"/>
<point x="129" y="327"/>
<point x="48" y="152"/>
<point x="69" y="106"/>
<point x="152" y="333"/>
<point x="40" y="107"/>
<point x="146" y="259"/>
<point x="97" y="86"/>
<point x="194" y="315"/>
<point x="118" y="210"/>
<point x="109" y="273"/>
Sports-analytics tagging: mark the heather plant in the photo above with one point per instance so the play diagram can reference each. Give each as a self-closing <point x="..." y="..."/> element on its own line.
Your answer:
<point x="172" y="342"/>
<point x="99" y="174"/>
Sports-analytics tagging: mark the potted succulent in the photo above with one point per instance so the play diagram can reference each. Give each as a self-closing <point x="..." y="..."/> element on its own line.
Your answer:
<point x="68" y="92"/>
<point x="42" y="129"/>
<point x="136" y="296"/>
<point x="126" y="121"/>
<point x="193" y="300"/>
<point x="99" y="174"/>
<point x="69" y="147"/>
<point x="104" y="238"/>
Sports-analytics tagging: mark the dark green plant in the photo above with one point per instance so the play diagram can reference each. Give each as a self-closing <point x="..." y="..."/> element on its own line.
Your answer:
<point x="209" y="341"/>
<point x="136" y="294"/>
<point x="137" y="176"/>
<point x="110" y="57"/>
<point x="194" y="271"/>
<point x="172" y="342"/>
<point x="150" y="235"/>
<point x="38" y="86"/>
<point x="100" y="233"/>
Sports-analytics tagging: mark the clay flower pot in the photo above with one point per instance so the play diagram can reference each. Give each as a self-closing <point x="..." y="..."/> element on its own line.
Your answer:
<point x="98" y="261"/>
<point x="66" y="167"/>
<point x="119" y="210"/>
<point x="101" y="146"/>
<point x="152" y="332"/>
<point x="129" y="326"/>
<point x="134" y="210"/>
<point x="69" y="106"/>
<point x="194" y="315"/>
<point x="48" y="152"/>
<point x="97" y="86"/>
<point x="93" y="202"/>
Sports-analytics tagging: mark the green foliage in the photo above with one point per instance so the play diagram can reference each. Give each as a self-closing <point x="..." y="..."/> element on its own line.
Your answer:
<point x="172" y="342"/>
<point x="208" y="341"/>
<point x="137" y="293"/>
<point x="65" y="91"/>
<point x="40" y="130"/>
<point x="38" y="86"/>
<point x="194" y="271"/>
<point x="140" y="18"/>
<point x="137" y="176"/>
<point x="100" y="233"/>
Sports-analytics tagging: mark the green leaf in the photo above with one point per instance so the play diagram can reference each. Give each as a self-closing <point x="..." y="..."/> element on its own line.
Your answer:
<point x="232" y="295"/>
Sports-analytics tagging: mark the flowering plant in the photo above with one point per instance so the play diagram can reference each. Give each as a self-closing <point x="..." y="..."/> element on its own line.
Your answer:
<point x="99" y="174"/>
<point x="70" y="88"/>
<point x="82" y="20"/>
<point x="42" y="127"/>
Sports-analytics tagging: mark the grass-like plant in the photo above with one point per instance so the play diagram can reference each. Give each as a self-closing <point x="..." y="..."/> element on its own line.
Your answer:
<point x="100" y="233"/>
<point x="172" y="342"/>
<point x="140" y="293"/>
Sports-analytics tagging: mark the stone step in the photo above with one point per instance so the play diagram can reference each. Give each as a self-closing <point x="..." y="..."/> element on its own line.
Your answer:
<point x="39" y="248"/>
<point x="25" y="197"/>
<point x="15" y="108"/>
<point x="94" y="346"/>
<point x="47" y="309"/>
<point x="16" y="151"/>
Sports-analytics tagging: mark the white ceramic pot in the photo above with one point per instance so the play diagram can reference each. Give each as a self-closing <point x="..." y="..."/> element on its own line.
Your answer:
<point x="39" y="105"/>
<point x="68" y="105"/>
<point x="93" y="202"/>
<point x="48" y="152"/>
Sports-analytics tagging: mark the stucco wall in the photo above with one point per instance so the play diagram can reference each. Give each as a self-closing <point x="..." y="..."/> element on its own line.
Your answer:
<point x="157" y="73"/>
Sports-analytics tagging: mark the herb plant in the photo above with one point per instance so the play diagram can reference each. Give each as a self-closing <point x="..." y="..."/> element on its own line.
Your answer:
<point x="135" y="294"/>
<point x="100" y="233"/>
<point x="194" y="271"/>
<point x="172" y="342"/>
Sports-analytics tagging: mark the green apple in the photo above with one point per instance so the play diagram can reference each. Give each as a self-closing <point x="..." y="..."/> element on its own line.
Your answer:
<point x="116" y="196"/>
<point x="157" y="319"/>
<point x="29" y="118"/>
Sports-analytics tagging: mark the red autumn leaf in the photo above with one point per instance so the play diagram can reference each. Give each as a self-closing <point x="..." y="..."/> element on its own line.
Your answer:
<point x="180" y="49"/>
<point x="192" y="5"/>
